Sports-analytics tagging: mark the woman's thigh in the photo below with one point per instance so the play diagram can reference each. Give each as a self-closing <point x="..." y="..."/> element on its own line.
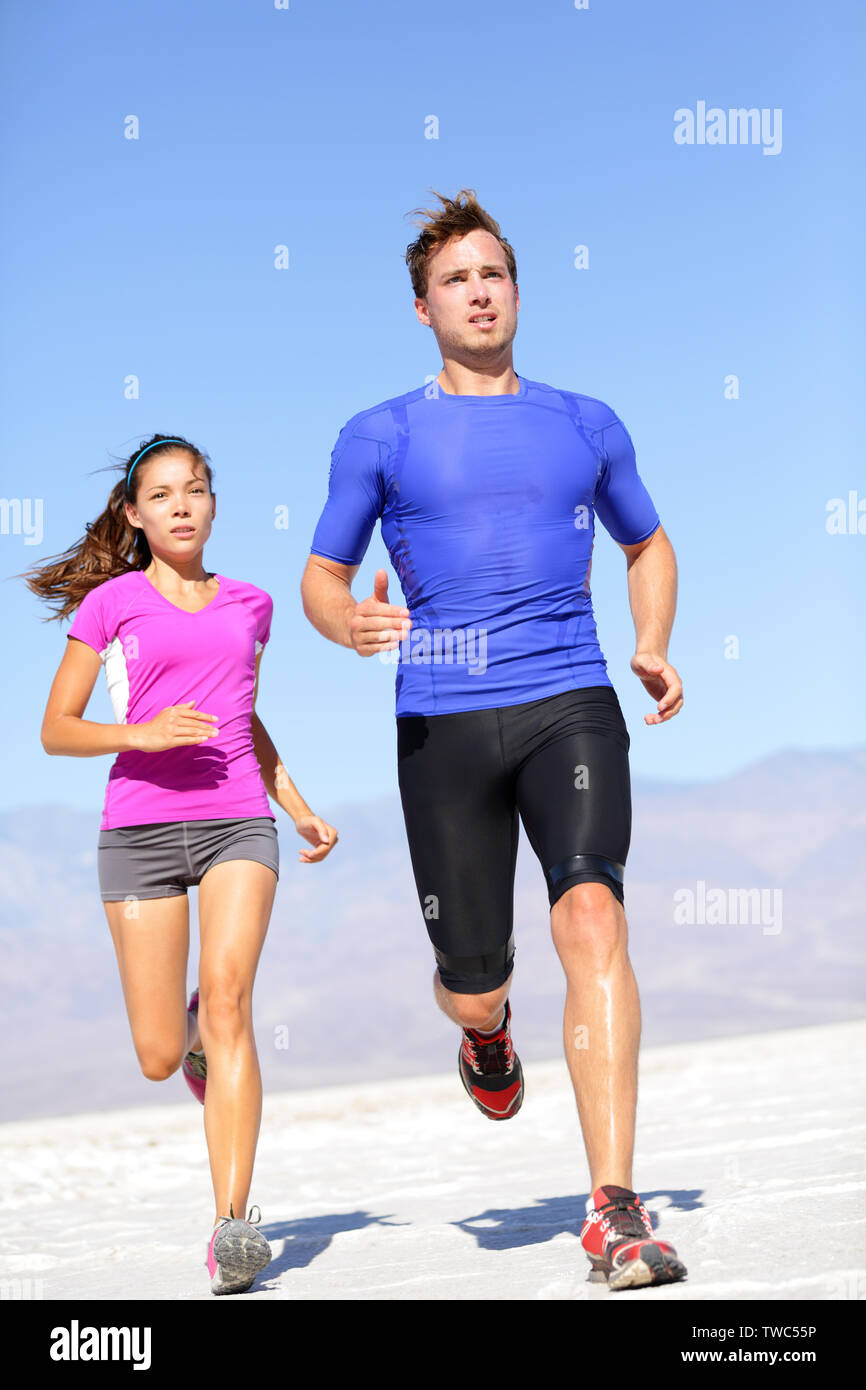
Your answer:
<point x="235" y="898"/>
<point x="151" y="940"/>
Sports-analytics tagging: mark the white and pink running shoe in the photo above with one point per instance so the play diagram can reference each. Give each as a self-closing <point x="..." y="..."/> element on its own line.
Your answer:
<point x="236" y="1253"/>
<point x="194" y="1065"/>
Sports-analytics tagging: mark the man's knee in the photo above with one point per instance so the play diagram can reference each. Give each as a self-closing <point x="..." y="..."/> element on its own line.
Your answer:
<point x="472" y="989"/>
<point x="473" y="1010"/>
<point x="588" y="921"/>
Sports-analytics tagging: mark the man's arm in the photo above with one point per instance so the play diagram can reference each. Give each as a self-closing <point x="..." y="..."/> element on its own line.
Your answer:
<point x="371" y="626"/>
<point x="326" y="594"/>
<point x="652" y="591"/>
<point x="652" y="595"/>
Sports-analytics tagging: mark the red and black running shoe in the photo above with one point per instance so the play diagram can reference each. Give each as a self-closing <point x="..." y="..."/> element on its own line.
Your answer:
<point x="491" y="1072"/>
<point x="617" y="1235"/>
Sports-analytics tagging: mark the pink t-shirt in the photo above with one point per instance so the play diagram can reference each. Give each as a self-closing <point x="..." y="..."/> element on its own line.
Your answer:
<point x="156" y="655"/>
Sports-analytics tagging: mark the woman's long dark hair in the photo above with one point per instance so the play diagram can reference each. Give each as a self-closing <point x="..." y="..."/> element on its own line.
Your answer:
<point x="110" y="546"/>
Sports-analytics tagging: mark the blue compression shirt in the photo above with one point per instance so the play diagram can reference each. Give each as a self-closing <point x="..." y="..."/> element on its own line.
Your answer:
<point x="487" y="506"/>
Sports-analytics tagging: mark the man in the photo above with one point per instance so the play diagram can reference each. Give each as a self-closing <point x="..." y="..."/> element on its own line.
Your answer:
<point x="486" y="484"/>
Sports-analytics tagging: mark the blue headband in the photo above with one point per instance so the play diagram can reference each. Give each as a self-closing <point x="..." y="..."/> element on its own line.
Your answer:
<point x="153" y="446"/>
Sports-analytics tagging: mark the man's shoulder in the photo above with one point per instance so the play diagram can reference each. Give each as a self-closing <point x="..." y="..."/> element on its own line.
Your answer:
<point x="592" y="411"/>
<point x="377" y="421"/>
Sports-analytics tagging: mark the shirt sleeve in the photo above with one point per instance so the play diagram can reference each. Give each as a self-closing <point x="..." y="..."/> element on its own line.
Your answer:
<point x="622" y="503"/>
<point x="356" y="496"/>
<point x="91" y="623"/>
<point x="264" y="614"/>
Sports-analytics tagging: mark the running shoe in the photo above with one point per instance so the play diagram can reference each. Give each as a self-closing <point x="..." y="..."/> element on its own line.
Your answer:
<point x="491" y="1072"/>
<point x="236" y="1253"/>
<point x="194" y="1065"/>
<point x="617" y="1236"/>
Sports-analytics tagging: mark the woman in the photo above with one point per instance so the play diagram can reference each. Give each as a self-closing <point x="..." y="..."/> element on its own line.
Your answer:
<point x="186" y="801"/>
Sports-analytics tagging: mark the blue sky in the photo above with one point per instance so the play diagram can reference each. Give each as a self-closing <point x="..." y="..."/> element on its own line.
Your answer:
<point x="306" y="127"/>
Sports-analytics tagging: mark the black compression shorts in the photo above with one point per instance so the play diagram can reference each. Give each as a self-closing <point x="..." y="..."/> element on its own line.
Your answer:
<point x="561" y="763"/>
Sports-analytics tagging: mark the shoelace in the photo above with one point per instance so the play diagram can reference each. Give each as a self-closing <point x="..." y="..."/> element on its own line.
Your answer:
<point x="251" y="1220"/>
<point x="489" y="1057"/>
<point x="197" y="1064"/>
<point x="620" y="1218"/>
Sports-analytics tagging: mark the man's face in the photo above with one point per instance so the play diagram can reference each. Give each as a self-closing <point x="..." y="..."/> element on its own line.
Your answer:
<point x="468" y="282"/>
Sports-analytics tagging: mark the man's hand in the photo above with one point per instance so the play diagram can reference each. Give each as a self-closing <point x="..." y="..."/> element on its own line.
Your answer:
<point x="662" y="682"/>
<point x="319" y="833"/>
<point x="374" y="623"/>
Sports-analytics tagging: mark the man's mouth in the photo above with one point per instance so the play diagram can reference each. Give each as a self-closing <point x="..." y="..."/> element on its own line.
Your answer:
<point x="483" y="320"/>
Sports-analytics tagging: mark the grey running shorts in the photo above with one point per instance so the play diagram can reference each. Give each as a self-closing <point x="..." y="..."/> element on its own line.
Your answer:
<point x="163" y="859"/>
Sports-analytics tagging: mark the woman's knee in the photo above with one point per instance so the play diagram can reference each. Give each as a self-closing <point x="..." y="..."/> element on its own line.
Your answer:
<point x="157" y="1064"/>
<point x="224" y="1010"/>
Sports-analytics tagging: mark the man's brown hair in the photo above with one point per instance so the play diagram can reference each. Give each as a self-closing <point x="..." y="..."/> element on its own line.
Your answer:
<point x="454" y="219"/>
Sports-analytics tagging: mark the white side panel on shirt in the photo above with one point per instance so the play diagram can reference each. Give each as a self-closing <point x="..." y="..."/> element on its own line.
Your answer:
<point x="113" y="659"/>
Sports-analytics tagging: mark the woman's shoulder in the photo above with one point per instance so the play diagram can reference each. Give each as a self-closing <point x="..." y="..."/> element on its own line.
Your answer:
<point x="256" y="601"/>
<point x="109" y="591"/>
<point x="242" y="588"/>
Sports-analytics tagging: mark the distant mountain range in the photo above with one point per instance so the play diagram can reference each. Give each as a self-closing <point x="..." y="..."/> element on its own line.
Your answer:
<point x="746" y="902"/>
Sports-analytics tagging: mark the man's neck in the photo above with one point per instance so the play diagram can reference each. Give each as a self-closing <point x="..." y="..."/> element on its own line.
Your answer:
<point x="457" y="380"/>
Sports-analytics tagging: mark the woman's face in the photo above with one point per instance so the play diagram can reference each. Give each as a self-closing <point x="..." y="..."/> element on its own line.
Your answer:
<point x="173" y="506"/>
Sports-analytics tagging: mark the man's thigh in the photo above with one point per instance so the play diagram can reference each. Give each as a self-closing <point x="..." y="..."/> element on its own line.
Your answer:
<point x="462" y="827"/>
<point x="574" y="791"/>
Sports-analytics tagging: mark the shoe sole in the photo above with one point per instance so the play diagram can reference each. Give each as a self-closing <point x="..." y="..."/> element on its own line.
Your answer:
<point x="653" y="1267"/>
<point x="239" y="1256"/>
<point x="513" y="1108"/>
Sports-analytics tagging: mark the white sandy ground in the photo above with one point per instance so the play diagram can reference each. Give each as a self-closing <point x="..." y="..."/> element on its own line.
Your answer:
<point x="749" y="1157"/>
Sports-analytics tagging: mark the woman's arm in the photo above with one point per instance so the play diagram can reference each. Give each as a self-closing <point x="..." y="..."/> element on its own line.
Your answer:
<point x="278" y="784"/>
<point x="65" y="732"/>
<point x="63" y="729"/>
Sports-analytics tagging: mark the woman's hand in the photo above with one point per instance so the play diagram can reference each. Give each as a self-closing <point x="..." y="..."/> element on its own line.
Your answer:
<point x="321" y="835"/>
<point x="174" y="726"/>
